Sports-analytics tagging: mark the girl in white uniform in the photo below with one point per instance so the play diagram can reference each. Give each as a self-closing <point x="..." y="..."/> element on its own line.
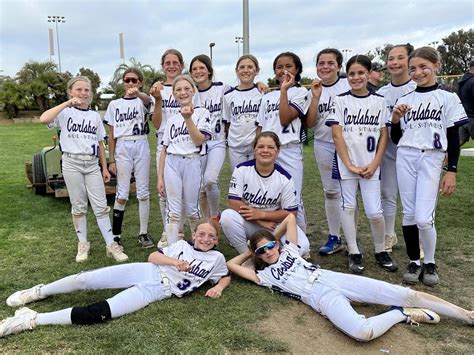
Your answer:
<point x="280" y="268"/>
<point x="241" y="105"/>
<point x="321" y="96"/>
<point x="81" y="142"/>
<point x="176" y="270"/>
<point x="429" y="118"/>
<point x="282" y="112"/>
<point x="165" y="106"/>
<point x="400" y="84"/>
<point x="180" y="166"/>
<point x="261" y="195"/>
<point x="128" y="144"/>
<point x="358" y="120"/>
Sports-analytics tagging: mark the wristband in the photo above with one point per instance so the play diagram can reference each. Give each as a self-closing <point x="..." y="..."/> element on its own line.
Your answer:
<point x="111" y="162"/>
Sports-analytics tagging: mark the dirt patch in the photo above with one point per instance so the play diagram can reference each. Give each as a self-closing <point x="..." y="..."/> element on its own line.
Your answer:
<point x="307" y="332"/>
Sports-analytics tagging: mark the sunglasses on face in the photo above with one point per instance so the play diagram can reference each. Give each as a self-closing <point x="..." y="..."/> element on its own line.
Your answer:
<point x="133" y="80"/>
<point x="267" y="246"/>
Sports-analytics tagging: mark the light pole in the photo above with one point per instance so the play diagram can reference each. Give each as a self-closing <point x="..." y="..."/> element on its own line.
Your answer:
<point x="56" y="20"/>
<point x="239" y="40"/>
<point x="345" y="52"/>
<point x="434" y="44"/>
<point x="212" y="44"/>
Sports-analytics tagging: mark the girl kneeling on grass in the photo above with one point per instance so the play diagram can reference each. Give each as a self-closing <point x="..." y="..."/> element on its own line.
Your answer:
<point x="81" y="142"/>
<point x="280" y="268"/>
<point x="176" y="270"/>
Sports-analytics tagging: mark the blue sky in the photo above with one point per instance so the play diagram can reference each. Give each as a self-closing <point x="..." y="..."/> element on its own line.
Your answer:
<point x="89" y="38"/>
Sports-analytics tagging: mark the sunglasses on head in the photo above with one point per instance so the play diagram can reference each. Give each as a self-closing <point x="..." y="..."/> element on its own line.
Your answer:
<point x="128" y="80"/>
<point x="267" y="246"/>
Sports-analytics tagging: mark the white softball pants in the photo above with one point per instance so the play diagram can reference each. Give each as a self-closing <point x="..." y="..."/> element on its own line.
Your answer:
<point x="237" y="230"/>
<point x="388" y="182"/>
<point x="212" y="164"/>
<point x="239" y="155"/>
<point x="141" y="281"/>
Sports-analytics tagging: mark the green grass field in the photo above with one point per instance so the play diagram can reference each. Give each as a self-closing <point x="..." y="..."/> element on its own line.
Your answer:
<point x="38" y="245"/>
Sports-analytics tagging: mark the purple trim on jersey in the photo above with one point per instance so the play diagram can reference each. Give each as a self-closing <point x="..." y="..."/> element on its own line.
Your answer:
<point x="129" y="98"/>
<point x="234" y="197"/>
<point x="362" y="96"/>
<point x="397" y="86"/>
<point x="462" y="121"/>
<point x="328" y="86"/>
<point x="250" y="162"/>
<point x="388" y="124"/>
<point x="427" y="88"/>
<point x="330" y="123"/>
<point x="345" y="93"/>
<point x="230" y="90"/>
<point x="207" y="134"/>
<point x="214" y="83"/>
<point x="292" y="209"/>
<point x="376" y="94"/>
<point x="282" y="171"/>
<point x="336" y="174"/>
<point x="160" y="250"/>
<point x="82" y="109"/>
<point x="300" y="113"/>
<point x="243" y="90"/>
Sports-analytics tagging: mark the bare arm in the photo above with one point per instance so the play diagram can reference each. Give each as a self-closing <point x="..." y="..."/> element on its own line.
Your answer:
<point x="235" y="266"/>
<point x="158" y="258"/>
<point x="288" y="226"/>
<point x="287" y="113"/>
<point x="103" y="162"/>
<point x="216" y="291"/>
<point x="256" y="214"/>
<point x="157" y="116"/>
<point x="197" y="137"/>
<point x="48" y="116"/>
<point x="112" y="144"/>
<point x="161" y="181"/>
<point x="312" y="115"/>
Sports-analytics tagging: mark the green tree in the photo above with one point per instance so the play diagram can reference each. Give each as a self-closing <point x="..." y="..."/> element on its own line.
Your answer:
<point x="150" y="76"/>
<point x="13" y="97"/>
<point x="456" y="51"/>
<point x="95" y="81"/>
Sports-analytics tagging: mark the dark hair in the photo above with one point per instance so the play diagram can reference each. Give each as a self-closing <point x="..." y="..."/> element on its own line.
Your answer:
<point x="270" y="134"/>
<point x="253" y="240"/>
<point x="359" y="59"/>
<point x="408" y="47"/>
<point x="248" y="56"/>
<point x="427" y="53"/>
<point x="174" y="52"/>
<point x="296" y="60"/>
<point x="135" y="71"/>
<point x="204" y="59"/>
<point x="334" y="51"/>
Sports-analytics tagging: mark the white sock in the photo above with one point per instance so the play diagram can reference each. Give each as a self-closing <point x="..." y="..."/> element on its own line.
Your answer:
<point x="390" y="225"/>
<point x="163" y="209"/>
<point x="417" y="262"/>
<point x="172" y="230"/>
<point x="62" y="317"/>
<point x="333" y="216"/>
<point x="144" y="214"/>
<point x="80" y="225"/>
<point x="349" y="228"/>
<point x="105" y="228"/>
<point x="377" y="226"/>
<point x="428" y="240"/>
<point x="118" y="206"/>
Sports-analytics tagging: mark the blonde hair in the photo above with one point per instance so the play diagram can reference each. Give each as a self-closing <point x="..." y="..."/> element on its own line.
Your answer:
<point x="74" y="80"/>
<point x="174" y="52"/>
<point x="250" y="57"/>
<point x="428" y="53"/>
<point x="185" y="78"/>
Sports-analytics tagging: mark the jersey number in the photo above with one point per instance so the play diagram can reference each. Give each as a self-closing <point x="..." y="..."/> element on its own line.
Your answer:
<point x="286" y="129"/>
<point x="142" y="129"/>
<point x="218" y="127"/>
<point x="95" y="150"/>
<point x="184" y="284"/>
<point x="371" y="144"/>
<point x="437" y="141"/>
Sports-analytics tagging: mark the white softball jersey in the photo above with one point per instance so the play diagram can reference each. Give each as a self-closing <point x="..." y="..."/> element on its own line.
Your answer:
<point x="392" y="93"/>
<point x="81" y="131"/>
<point x="127" y="116"/>
<point x="169" y="106"/>
<point x="240" y="110"/>
<point x="269" y="114"/>
<point x="328" y="93"/>
<point x="433" y="111"/>
<point x="361" y="119"/>
<point x="212" y="99"/>
<point x="205" y="266"/>
<point x="270" y="193"/>
<point x="177" y="138"/>
<point x="289" y="275"/>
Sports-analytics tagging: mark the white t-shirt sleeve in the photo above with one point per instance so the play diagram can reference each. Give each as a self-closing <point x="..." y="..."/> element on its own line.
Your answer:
<point x="56" y="123"/>
<point x="236" y="185"/>
<point x="204" y="123"/>
<point x="219" y="271"/>
<point x="288" y="196"/>
<point x="299" y="101"/>
<point x="455" y="113"/>
<point x="334" y="113"/>
<point x="109" y="114"/>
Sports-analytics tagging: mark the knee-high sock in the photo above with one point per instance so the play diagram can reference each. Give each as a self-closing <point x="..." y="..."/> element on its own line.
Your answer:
<point x="105" y="228"/>
<point x="144" y="214"/>
<point x="80" y="225"/>
<point x="349" y="228"/>
<point x="61" y="317"/>
<point x="377" y="226"/>
<point x="428" y="240"/>
<point x="333" y="215"/>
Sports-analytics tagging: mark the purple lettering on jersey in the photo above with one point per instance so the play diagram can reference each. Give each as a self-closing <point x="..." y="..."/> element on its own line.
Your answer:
<point x="327" y="106"/>
<point x="178" y="131"/>
<point x="81" y="127"/>
<point x="170" y="102"/>
<point x="246" y="107"/>
<point x="259" y="199"/>
<point x="211" y="107"/>
<point x="197" y="270"/>
<point x="361" y="118"/>
<point x="278" y="272"/>
<point x="423" y="114"/>
<point x="128" y="116"/>
<point x="272" y="107"/>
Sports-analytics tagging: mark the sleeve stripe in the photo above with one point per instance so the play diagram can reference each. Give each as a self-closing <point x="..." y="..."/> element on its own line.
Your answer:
<point x="233" y="197"/>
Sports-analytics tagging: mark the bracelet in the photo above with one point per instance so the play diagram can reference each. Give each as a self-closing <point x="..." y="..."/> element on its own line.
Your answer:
<point x="111" y="162"/>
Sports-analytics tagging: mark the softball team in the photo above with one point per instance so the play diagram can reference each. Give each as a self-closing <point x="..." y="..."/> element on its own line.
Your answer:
<point x="280" y="268"/>
<point x="81" y="140"/>
<point x="321" y="97"/>
<point x="358" y="121"/>
<point x="429" y="118"/>
<point x="400" y="84"/>
<point x="130" y="152"/>
<point x="180" y="167"/>
<point x="241" y="106"/>
<point x="282" y="112"/>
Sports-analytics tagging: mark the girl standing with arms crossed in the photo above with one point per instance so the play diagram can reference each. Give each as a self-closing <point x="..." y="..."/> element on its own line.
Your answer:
<point x="321" y="96"/>
<point x="130" y="152"/>
<point x="280" y="268"/>
<point x="165" y="106"/>
<point x="400" y="84"/>
<point x="429" y="118"/>
<point x="180" y="166"/>
<point x="176" y="270"/>
<point x="358" y="124"/>
<point x="81" y="142"/>
<point x="282" y="112"/>
<point x="241" y="105"/>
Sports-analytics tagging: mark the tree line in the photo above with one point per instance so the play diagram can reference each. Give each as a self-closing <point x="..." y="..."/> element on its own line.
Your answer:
<point x="40" y="86"/>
